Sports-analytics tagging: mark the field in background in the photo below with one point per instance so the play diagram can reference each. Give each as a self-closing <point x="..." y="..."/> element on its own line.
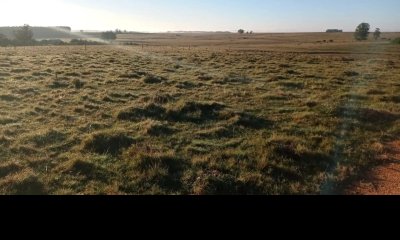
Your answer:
<point x="197" y="114"/>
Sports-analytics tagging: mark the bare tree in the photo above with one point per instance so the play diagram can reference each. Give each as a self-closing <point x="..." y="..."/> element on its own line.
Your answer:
<point x="24" y="35"/>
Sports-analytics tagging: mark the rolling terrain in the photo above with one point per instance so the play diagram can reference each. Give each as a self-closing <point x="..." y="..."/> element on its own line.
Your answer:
<point x="210" y="113"/>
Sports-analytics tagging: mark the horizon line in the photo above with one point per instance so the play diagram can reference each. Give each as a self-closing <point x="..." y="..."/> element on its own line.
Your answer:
<point x="188" y="31"/>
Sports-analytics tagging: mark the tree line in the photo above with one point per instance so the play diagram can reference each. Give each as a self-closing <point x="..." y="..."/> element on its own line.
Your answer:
<point x="23" y="36"/>
<point x="362" y="32"/>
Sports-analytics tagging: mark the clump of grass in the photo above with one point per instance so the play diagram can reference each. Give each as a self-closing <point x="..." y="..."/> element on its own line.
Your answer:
<point x="130" y="75"/>
<point x="293" y="72"/>
<point x="30" y="91"/>
<point x="133" y="75"/>
<point x="72" y="74"/>
<point x="26" y="150"/>
<point x="347" y="59"/>
<point x="59" y="84"/>
<point x="292" y="84"/>
<point x="20" y="70"/>
<point x="22" y="183"/>
<point x="152" y="169"/>
<point x="8" y="98"/>
<point x="122" y="95"/>
<point x="93" y="126"/>
<point x="4" y="141"/>
<point x="162" y="98"/>
<point x="284" y="65"/>
<point x="367" y="115"/>
<point x="311" y="104"/>
<point x="215" y="183"/>
<point x="156" y="128"/>
<point x="227" y="172"/>
<point x="216" y="132"/>
<point x="107" y="142"/>
<point x="375" y="92"/>
<point x="195" y="111"/>
<point x="145" y="161"/>
<point x="83" y="168"/>
<point x="9" y="168"/>
<point x="204" y="77"/>
<point x="247" y="120"/>
<point x="277" y="96"/>
<point x="153" y="79"/>
<point x="40" y="74"/>
<point x="78" y="83"/>
<point x="4" y="74"/>
<point x="47" y="138"/>
<point x="187" y="85"/>
<point x="350" y="73"/>
<point x="292" y="159"/>
<point x="139" y="113"/>
<point x="233" y="79"/>
<point x="394" y="99"/>
<point x="355" y="96"/>
<point x="6" y="120"/>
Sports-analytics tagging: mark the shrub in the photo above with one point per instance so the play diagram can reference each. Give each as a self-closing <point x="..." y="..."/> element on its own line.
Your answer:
<point x="396" y="41"/>
<point x="109" y="35"/>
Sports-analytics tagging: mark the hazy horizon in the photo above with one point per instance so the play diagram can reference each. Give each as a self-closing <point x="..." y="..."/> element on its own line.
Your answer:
<point x="208" y="15"/>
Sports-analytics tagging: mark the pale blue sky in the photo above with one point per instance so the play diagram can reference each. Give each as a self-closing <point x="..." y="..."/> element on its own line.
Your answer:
<point x="205" y="15"/>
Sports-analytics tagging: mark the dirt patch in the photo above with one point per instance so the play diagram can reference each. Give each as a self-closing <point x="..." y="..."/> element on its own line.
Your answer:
<point x="381" y="180"/>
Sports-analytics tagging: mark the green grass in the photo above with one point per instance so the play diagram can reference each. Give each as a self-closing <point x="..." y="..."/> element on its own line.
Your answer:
<point x="206" y="121"/>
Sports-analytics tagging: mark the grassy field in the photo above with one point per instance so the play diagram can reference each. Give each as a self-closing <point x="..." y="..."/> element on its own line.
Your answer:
<point x="197" y="114"/>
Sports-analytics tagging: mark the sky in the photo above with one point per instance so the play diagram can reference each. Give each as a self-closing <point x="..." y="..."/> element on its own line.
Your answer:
<point x="203" y="15"/>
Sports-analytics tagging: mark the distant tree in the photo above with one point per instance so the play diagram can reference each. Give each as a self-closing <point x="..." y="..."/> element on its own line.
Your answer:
<point x="241" y="31"/>
<point x="251" y="32"/>
<point x="377" y="34"/>
<point x="52" y="42"/>
<point x="24" y="35"/>
<point x="362" y="32"/>
<point x="66" y="28"/>
<point x="110" y="35"/>
<point x="83" y="42"/>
